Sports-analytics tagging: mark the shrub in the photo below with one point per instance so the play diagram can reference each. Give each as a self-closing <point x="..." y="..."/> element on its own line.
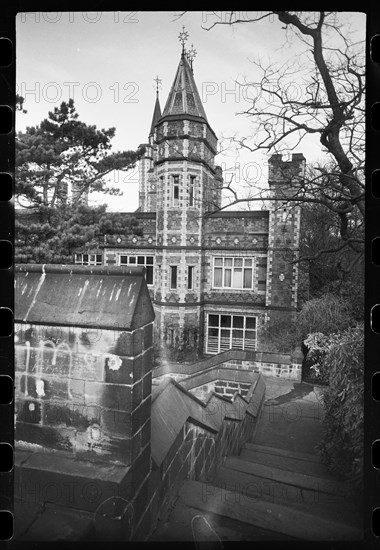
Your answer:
<point x="318" y="322"/>
<point x="351" y="291"/>
<point x="315" y="367"/>
<point x="325" y="315"/>
<point x="279" y="336"/>
<point x="342" y="444"/>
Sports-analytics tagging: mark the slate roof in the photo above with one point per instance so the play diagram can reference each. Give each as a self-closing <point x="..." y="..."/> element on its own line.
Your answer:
<point x="184" y="96"/>
<point x="156" y="116"/>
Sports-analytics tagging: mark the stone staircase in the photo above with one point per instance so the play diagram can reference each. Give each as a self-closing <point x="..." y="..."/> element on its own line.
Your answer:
<point x="273" y="490"/>
<point x="265" y="493"/>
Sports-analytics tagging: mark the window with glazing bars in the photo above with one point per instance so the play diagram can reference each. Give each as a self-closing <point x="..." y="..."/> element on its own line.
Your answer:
<point x="146" y="261"/>
<point x="89" y="259"/>
<point x="233" y="273"/>
<point x="226" y="332"/>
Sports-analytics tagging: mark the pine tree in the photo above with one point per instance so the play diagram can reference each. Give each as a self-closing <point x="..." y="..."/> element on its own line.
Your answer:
<point x="60" y="155"/>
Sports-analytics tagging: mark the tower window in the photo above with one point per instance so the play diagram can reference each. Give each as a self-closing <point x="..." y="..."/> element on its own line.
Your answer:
<point x="170" y="336"/>
<point x="190" y="273"/>
<point x="191" y="190"/>
<point x="173" y="277"/>
<point x="175" y="190"/>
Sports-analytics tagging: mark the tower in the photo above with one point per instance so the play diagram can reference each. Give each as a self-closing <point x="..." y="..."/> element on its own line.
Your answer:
<point x="147" y="180"/>
<point x="285" y="180"/>
<point x="188" y="184"/>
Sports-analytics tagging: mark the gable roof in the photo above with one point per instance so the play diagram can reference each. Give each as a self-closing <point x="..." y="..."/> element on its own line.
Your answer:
<point x="83" y="296"/>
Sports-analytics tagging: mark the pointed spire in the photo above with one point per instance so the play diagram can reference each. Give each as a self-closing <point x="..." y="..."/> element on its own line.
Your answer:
<point x="184" y="97"/>
<point x="157" y="107"/>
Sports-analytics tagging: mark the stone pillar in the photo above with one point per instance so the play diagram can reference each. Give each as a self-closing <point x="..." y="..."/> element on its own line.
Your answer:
<point x="285" y="180"/>
<point x="129" y="393"/>
<point x="83" y="363"/>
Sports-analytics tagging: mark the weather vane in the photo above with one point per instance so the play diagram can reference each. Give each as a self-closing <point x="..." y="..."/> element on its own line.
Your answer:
<point x="158" y="82"/>
<point x="182" y="37"/>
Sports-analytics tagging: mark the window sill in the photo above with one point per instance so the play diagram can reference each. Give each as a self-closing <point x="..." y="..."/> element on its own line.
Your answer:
<point x="229" y="289"/>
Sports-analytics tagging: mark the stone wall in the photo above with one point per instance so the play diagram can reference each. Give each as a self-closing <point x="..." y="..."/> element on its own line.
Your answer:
<point x="146" y="222"/>
<point x="285" y="178"/>
<point x="267" y="363"/>
<point x="81" y="391"/>
<point x="198" y="449"/>
<point x="226" y="388"/>
<point x="249" y="228"/>
<point x="287" y="370"/>
<point x="191" y="455"/>
<point x="177" y="333"/>
<point x="196" y="454"/>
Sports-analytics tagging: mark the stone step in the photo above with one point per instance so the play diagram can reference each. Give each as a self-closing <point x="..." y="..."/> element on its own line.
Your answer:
<point x="285" y="462"/>
<point x="67" y="482"/>
<point x="54" y="524"/>
<point x="179" y="528"/>
<point x="303" y="481"/>
<point x="266" y="515"/>
<point x="283" y="452"/>
<point x="253" y="487"/>
<point x="25" y="513"/>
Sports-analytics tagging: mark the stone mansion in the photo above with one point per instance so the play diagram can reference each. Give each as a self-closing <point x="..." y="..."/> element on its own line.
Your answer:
<point x="215" y="276"/>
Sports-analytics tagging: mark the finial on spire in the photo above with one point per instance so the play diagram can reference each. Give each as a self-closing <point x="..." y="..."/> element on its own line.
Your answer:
<point x="190" y="55"/>
<point x="182" y="37"/>
<point x="158" y="82"/>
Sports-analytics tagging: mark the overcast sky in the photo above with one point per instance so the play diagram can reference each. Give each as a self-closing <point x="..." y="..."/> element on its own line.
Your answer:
<point x="108" y="61"/>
